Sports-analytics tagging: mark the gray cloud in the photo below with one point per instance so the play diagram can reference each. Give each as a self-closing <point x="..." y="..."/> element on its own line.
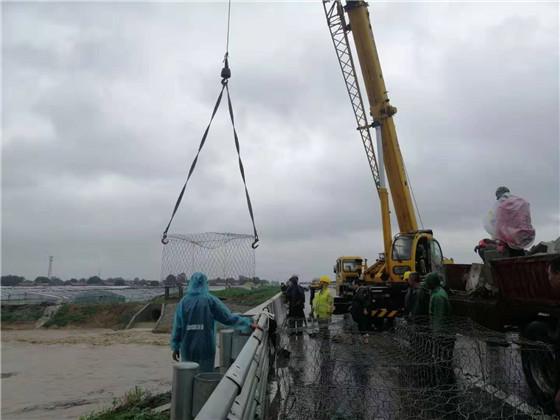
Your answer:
<point x="104" y="105"/>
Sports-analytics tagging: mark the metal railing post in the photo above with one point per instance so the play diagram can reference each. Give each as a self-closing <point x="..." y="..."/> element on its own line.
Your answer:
<point x="182" y="390"/>
<point x="225" y="349"/>
<point x="204" y="385"/>
<point x="238" y="341"/>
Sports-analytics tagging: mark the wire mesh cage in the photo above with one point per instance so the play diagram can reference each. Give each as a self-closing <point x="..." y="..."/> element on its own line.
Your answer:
<point x="462" y="371"/>
<point x="225" y="256"/>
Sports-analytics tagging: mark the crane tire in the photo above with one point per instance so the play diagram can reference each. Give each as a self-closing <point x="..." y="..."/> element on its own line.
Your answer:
<point x="541" y="365"/>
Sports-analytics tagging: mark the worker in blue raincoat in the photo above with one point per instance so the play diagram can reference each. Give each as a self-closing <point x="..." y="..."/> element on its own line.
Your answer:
<point x="194" y="329"/>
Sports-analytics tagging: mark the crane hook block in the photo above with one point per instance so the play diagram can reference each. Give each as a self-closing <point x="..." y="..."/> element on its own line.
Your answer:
<point x="226" y="72"/>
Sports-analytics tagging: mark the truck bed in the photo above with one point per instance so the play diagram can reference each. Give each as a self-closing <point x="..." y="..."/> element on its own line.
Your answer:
<point x="524" y="291"/>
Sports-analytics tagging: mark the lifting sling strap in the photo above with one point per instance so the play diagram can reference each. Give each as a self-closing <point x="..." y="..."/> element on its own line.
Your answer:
<point x="225" y="74"/>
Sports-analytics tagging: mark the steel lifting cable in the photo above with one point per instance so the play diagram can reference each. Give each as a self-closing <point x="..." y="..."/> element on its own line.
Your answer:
<point x="414" y="198"/>
<point x="225" y="75"/>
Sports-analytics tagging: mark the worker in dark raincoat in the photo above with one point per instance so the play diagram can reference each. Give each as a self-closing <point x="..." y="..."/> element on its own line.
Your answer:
<point x="417" y="299"/>
<point x="296" y="305"/>
<point x="361" y="311"/>
<point x="193" y="337"/>
<point x="417" y="308"/>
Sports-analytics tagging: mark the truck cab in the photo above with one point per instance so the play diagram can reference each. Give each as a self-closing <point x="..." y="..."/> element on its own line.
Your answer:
<point x="348" y="271"/>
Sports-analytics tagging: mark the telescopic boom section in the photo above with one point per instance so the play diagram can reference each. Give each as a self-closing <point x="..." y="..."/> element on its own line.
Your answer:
<point x="382" y="113"/>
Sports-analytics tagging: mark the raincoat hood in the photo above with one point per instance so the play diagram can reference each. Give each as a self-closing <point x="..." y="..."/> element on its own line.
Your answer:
<point x="198" y="284"/>
<point x="501" y="191"/>
<point x="433" y="280"/>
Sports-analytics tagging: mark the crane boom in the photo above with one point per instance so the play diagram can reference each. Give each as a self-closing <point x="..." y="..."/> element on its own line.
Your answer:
<point x="334" y="12"/>
<point x="382" y="112"/>
<point x="336" y="22"/>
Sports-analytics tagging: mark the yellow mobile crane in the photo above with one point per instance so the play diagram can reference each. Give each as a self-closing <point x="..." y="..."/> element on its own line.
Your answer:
<point x="411" y="249"/>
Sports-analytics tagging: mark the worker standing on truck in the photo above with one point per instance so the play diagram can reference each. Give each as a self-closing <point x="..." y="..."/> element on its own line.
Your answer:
<point x="323" y="303"/>
<point x="509" y="222"/>
<point x="443" y="337"/>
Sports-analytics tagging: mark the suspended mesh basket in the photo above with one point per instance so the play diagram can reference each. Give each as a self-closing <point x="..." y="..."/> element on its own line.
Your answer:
<point x="224" y="256"/>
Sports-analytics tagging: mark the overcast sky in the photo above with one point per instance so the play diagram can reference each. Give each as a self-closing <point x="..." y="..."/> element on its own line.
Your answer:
<point x="103" y="106"/>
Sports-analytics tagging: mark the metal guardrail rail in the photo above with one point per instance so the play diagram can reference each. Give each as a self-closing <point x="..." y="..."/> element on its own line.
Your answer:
<point x="241" y="394"/>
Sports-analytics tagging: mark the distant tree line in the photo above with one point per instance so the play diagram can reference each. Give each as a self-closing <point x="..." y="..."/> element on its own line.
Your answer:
<point x="13" y="280"/>
<point x="181" y="278"/>
<point x="171" y="280"/>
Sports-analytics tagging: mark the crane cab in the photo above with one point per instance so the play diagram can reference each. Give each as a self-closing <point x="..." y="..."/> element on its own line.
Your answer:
<point x="417" y="251"/>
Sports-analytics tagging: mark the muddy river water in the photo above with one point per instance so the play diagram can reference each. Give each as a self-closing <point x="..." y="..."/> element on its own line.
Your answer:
<point x="62" y="374"/>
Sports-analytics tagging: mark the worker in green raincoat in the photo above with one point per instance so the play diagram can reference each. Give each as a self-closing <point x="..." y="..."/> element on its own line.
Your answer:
<point x="440" y="308"/>
<point x="443" y="336"/>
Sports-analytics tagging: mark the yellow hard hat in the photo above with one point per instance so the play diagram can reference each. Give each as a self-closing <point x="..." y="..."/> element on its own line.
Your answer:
<point x="325" y="279"/>
<point x="407" y="275"/>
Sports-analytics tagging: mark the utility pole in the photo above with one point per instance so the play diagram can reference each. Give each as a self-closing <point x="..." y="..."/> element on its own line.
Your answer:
<point x="51" y="259"/>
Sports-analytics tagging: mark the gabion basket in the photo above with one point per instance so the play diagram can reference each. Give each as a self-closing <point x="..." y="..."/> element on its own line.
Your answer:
<point x="227" y="256"/>
<point x="413" y="371"/>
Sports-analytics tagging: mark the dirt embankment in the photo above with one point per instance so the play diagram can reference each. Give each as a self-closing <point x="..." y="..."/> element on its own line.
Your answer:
<point x="21" y="316"/>
<point x="107" y="315"/>
<point x="117" y="315"/>
<point x="104" y="315"/>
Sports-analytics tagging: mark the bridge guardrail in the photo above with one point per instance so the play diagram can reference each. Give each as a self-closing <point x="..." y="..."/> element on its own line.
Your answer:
<point x="241" y="394"/>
